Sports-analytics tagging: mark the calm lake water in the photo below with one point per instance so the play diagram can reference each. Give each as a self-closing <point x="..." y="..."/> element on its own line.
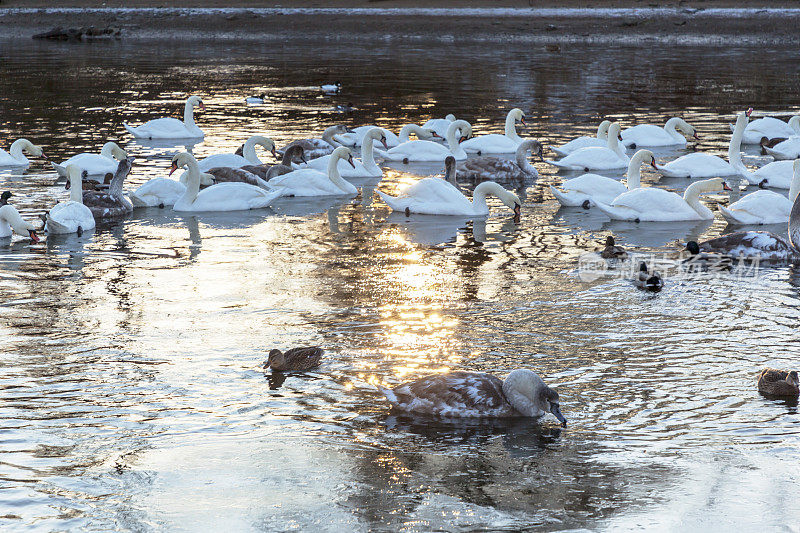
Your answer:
<point x="132" y="391"/>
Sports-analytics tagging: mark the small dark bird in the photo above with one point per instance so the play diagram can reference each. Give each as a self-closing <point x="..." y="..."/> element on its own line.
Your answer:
<point x="769" y="143"/>
<point x="779" y="382"/>
<point x="345" y="108"/>
<point x="4" y="198"/>
<point x="646" y="281"/>
<point x="705" y="261"/>
<point x="612" y="251"/>
<point x="295" y="359"/>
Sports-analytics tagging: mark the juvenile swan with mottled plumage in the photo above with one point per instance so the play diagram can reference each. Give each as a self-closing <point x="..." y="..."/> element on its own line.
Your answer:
<point x="477" y="395"/>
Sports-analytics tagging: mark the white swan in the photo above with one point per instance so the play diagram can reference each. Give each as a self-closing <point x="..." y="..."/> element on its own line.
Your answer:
<point x="71" y="216"/>
<point x="657" y="205"/>
<point x="171" y="128"/>
<point x="15" y="156"/>
<point x="164" y="192"/>
<point x="436" y="196"/>
<point x="777" y="174"/>
<point x="700" y="165"/>
<point x="590" y="188"/>
<point x="439" y="125"/>
<point x="95" y="164"/>
<point x="477" y="395"/>
<point x="650" y="135"/>
<point x="764" y="207"/>
<point x="771" y="128"/>
<point x="356" y="138"/>
<point x="429" y="150"/>
<point x="232" y="196"/>
<point x="601" y="139"/>
<point x="495" y="143"/>
<point x="11" y="222"/>
<point x="331" y="88"/>
<point x="788" y="149"/>
<point x="610" y="157"/>
<point x="492" y="168"/>
<point x="311" y="182"/>
<point x="248" y="157"/>
<point x="363" y="168"/>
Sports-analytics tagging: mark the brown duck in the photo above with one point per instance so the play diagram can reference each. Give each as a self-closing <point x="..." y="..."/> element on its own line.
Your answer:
<point x="779" y="382"/>
<point x="295" y="359"/>
<point x="612" y="251"/>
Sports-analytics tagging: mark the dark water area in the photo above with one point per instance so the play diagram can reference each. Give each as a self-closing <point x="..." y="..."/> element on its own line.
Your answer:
<point x="131" y="391"/>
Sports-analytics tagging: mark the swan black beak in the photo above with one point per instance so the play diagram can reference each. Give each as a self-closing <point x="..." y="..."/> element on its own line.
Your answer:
<point x="556" y="410"/>
<point x="274" y="153"/>
<point x="350" y="160"/>
<point x="517" y="210"/>
<point x="303" y="159"/>
<point x="34" y="237"/>
<point x="696" y="136"/>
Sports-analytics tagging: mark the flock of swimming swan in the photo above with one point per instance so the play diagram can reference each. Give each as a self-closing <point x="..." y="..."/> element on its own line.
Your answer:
<point x="320" y="166"/>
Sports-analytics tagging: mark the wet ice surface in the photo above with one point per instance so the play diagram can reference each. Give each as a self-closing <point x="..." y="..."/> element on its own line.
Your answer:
<point x="133" y="396"/>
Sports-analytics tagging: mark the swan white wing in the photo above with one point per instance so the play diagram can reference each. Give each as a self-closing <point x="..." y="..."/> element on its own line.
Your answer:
<point x="7" y="161"/>
<point x="591" y="158"/>
<point x="650" y="204"/>
<point x="231" y="196"/>
<point x="760" y="207"/>
<point x="345" y="170"/>
<point x="596" y="187"/>
<point x="222" y="160"/>
<point x="697" y="165"/>
<point x="768" y="127"/>
<point x="649" y="135"/>
<point x="430" y="196"/>
<point x="67" y="217"/>
<point x="777" y="173"/>
<point x="578" y="143"/>
<point x="493" y="143"/>
<point x="93" y="164"/>
<point x="308" y="182"/>
<point x="416" y="151"/>
<point x="162" y="128"/>
<point x="157" y="192"/>
<point x="788" y="149"/>
<point x="438" y="125"/>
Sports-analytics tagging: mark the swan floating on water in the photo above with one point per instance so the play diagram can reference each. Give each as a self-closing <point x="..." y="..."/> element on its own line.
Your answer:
<point x="601" y="139"/>
<point x="171" y="128"/>
<point x="428" y="150"/>
<point x="11" y="222"/>
<point x="439" y="125"/>
<point x="71" y="216"/>
<point x="610" y="157"/>
<point x="312" y="182"/>
<point x="495" y="143"/>
<point x="361" y="168"/>
<point x="764" y="207"/>
<point x="95" y="164"/>
<point x="771" y="128"/>
<point x="314" y="148"/>
<point x="248" y="157"/>
<point x="787" y="149"/>
<point x="588" y="189"/>
<point x="15" y="157"/>
<point x="477" y="395"/>
<point x="652" y="136"/>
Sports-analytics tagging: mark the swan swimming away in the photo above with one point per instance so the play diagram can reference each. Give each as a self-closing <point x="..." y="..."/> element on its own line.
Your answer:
<point x="219" y="197"/>
<point x="311" y="182"/>
<point x="601" y="139"/>
<point x="700" y="165"/>
<point x="652" y="136"/>
<point x="361" y="168"/>
<point x="610" y="157"/>
<point x="657" y="205"/>
<point x="171" y="128"/>
<point x="72" y="216"/>
<point x="498" y="169"/>
<point x="436" y="196"/>
<point x="764" y="207"/>
<point x="428" y="150"/>
<point x="11" y="222"/>
<point x="95" y="164"/>
<point x="586" y="190"/>
<point x="495" y="143"/>
<point x="15" y="157"/>
<point x="477" y="395"/>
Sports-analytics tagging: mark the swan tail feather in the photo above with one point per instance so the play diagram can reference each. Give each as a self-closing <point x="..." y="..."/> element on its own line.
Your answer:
<point x="392" y="202"/>
<point x="730" y="216"/>
<point x="617" y="213"/>
<point x="59" y="169"/>
<point x="131" y="130"/>
<point x="569" y="199"/>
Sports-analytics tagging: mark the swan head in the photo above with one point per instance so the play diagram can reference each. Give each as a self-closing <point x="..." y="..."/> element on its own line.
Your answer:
<point x="32" y="149"/>
<point x="266" y="142"/>
<point x="450" y="117"/>
<point x="181" y="160"/>
<point x="527" y="393"/>
<point x="714" y="185"/>
<point x="536" y="148"/>
<point x="511" y="200"/>
<point x="463" y="127"/>
<point x="518" y="114"/>
<point x="686" y="128"/>
<point x="343" y="152"/>
<point x="195" y="101"/>
<point x="296" y="152"/>
<point x="20" y="226"/>
<point x="646" y="156"/>
<point x="614" y="130"/>
<point x="377" y="135"/>
<point x="603" y="127"/>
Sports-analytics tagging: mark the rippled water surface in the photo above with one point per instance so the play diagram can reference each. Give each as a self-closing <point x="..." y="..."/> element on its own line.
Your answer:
<point x="132" y="391"/>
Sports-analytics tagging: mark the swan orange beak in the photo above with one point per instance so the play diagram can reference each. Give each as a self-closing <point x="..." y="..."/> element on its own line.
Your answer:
<point x="522" y="121"/>
<point x="34" y="237"/>
<point x="653" y="163"/>
<point x="696" y="136"/>
<point x="202" y="106"/>
<point x="385" y="144"/>
<point x="725" y="186"/>
<point x="173" y="167"/>
<point x="436" y="135"/>
<point x="748" y="112"/>
<point x="350" y="160"/>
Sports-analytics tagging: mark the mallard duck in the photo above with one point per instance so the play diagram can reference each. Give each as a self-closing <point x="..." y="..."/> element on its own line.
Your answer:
<point x="646" y="281"/>
<point x="779" y="382"/>
<point x="477" y="395"/>
<point x="698" y="260"/>
<point x="297" y="359"/>
<point x="612" y="251"/>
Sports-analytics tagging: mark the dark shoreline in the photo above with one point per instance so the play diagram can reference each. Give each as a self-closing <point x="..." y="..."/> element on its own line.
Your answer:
<point x="673" y="25"/>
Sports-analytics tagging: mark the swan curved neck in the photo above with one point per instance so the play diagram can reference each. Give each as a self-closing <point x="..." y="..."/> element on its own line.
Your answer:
<point x="188" y="116"/>
<point x="328" y="135"/>
<point x="511" y="128"/>
<point x="452" y="141"/>
<point x="671" y="127"/>
<point x="794" y="188"/>
<point x="481" y="192"/>
<point x="635" y="171"/>
<point x="11" y="216"/>
<point x="692" y="197"/>
<point x="602" y="131"/>
<point x="613" y="145"/>
<point x="333" y="172"/>
<point x="407" y="130"/>
<point x="107" y="150"/>
<point x="192" y="182"/>
<point x="522" y="159"/>
<point x="367" y="154"/>
<point x="17" y="147"/>
<point x="734" y="148"/>
<point x="249" y="151"/>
